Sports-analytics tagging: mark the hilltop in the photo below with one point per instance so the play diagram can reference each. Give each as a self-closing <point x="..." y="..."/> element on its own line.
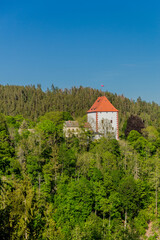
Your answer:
<point x="32" y="102"/>
<point x="69" y="188"/>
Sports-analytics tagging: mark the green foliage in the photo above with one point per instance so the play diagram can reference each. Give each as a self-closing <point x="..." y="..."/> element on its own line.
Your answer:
<point x="22" y="207"/>
<point x="14" y="121"/>
<point x="33" y="168"/>
<point x="150" y="133"/>
<point x="47" y="127"/>
<point x="51" y="232"/>
<point x="67" y="159"/>
<point x="141" y="221"/>
<point x="6" y="146"/>
<point x="141" y="144"/>
<point x="129" y="194"/>
<point x="104" y="144"/>
<point x="32" y="102"/>
<point x="73" y="202"/>
<point x="133" y="136"/>
<point x="93" y="228"/>
<point x="52" y="187"/>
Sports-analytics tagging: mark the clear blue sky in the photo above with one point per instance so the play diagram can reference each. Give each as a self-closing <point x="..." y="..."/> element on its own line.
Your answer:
<point x="89" y="43"/>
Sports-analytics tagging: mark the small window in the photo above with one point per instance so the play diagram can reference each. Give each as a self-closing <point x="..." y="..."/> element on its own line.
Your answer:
<point x="102" y="121"/>
<point x="112" y="128"/>
<point x="111" y="121"/>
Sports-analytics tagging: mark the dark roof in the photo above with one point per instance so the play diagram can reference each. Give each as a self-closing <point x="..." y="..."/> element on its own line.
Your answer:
<point x="71" y="124"/>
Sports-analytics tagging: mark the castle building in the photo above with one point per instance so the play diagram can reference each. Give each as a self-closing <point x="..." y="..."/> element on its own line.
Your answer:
<point x="71" y="128"/>
<point x="103" y="118"/>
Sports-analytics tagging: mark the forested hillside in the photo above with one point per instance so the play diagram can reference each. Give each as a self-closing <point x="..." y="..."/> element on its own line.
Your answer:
<point x="32" y="102"/>
<point x="57" y="188"/>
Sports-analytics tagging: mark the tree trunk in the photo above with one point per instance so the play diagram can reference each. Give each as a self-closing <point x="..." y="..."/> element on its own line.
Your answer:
<point x="156" y="199"/>
<point x="95" y="212"/>
<point x="109" y="229"/>
<point x="39" y="183"/>
<point x="125" y="221"/>
<point x="25" y="233"/>
<point x="109" y="219"/>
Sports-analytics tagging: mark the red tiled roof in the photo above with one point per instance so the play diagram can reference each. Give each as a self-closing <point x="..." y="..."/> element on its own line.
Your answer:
<point x="102" y="104"/>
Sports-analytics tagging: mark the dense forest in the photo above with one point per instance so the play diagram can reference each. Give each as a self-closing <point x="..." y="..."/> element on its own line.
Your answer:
<point x="32" y="102"/>
<point x="57" y="188"/>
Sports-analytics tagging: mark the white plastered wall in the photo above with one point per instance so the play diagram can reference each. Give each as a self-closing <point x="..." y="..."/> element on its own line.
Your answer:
<point x="111" y="117"/>
<point x="112" y="120"/>
<point x="91" y="118"/>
